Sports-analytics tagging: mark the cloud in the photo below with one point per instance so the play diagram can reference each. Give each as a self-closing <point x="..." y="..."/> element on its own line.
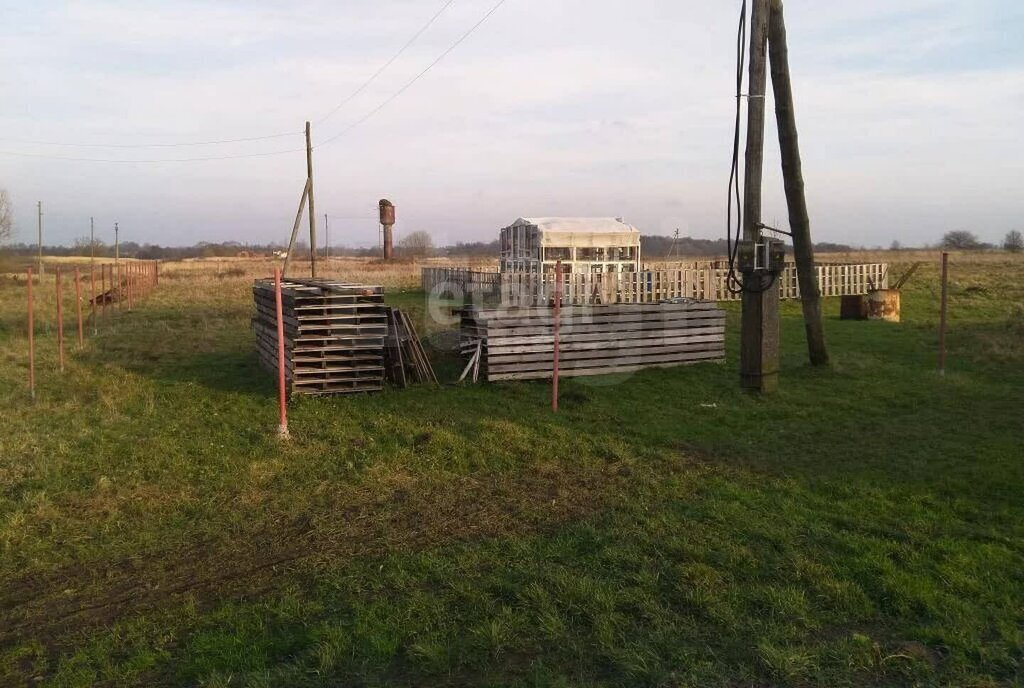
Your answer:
<point x="906" y="114"/>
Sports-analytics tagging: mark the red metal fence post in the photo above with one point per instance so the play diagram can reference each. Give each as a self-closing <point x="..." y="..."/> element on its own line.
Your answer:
<point x="942" y="315"/>
<point x="282" y="395"/>
<point x="60" y="320"/>
<point x="92" y="290"/>
<point x="31" y="341"/>
<point x="557" y="329"/>
<point x="78" y="307"/>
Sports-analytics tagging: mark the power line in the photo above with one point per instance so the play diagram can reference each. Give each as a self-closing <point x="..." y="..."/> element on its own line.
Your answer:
<point x="344" y="131"/>
<point x="246" y="139"/>
<point x="152" y="145"/>
<point x="416" y="78"/>
<point x="153" y="160"/>
<point x="387" y="64"/>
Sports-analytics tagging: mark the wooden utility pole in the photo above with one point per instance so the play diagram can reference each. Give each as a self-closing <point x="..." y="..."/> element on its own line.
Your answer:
<point x="792" y="175"/>
<point x="327" y="237"/>
<point x="39" y="205"/>
<point x="312" y="208"/>
<point x="759" y="339"/>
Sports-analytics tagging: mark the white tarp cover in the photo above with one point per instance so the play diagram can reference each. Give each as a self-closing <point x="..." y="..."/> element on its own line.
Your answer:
<point x="582" y="232"/>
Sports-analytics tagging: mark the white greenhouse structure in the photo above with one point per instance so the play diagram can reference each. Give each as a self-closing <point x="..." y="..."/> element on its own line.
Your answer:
<point x="583" y="244"/>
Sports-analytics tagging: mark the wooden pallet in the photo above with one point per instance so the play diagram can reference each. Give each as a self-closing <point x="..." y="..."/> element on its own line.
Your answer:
<point x="518" y="343"/>
<point x="334" y="335"/>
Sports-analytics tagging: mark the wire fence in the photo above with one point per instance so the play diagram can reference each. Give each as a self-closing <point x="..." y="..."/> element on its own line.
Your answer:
<point x="84" y="300"/>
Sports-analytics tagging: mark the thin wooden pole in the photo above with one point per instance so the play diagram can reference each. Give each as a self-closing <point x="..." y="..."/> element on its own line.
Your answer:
<point x="282" y="393"/>
<point x="557" y="332"/>
<point x="78" y="308"/>
<point x="942" y="314"/>
<point x="793" y="179"/>
<point x="92" y="290"/>
<point x="103" y="288"/>
<point x="759" y="337"/>
<point x="39" y="205"/>
<point x="60" y="321"/>
<point x="117" y="266"/>
<point x="312" y="207"/>
<point x="31" y="341"/>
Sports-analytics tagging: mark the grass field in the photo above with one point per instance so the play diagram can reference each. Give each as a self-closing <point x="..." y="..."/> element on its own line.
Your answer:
<point x="864" y="526"/>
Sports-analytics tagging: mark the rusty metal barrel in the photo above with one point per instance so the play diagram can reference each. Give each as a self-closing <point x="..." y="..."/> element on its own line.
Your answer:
<point x="884" y="304"/>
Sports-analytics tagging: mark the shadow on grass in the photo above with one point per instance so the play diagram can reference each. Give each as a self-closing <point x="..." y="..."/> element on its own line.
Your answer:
<point x="214" y="350"/>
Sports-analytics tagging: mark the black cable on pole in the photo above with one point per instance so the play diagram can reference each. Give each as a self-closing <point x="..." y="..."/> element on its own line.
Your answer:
<point x="732" y="283"/>
<point x="733" y="237"/>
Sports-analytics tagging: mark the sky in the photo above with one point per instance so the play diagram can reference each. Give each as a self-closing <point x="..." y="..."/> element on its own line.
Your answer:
<point x="908" y="116"/>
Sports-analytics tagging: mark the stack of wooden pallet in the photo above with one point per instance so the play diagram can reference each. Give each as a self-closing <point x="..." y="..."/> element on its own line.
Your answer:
<point x="334" y="334"/>
<point x="518" y="344"/>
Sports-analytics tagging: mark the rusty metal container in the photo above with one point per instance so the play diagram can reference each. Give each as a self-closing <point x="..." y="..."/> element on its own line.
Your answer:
<point x="387" y="212"/>
<point x="884" y="304"/>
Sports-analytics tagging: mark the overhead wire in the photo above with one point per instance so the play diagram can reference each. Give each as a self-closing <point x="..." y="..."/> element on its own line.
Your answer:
<point x="416" y="78"/>
<point x="331" y="139"/>
<point x="373" y="77"/>
<point x="152" y="145"/>
<point x="152" y="160"/>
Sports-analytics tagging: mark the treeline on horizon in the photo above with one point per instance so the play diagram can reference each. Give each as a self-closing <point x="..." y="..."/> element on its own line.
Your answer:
<point x="651" y="246"/>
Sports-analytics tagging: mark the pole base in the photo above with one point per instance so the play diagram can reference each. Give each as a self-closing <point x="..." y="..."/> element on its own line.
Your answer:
<point x="282" y="432"/>
<point x="767" y="383"/>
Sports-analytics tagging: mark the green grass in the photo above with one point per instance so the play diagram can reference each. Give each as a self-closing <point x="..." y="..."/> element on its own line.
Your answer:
<point x="864" y="526"/>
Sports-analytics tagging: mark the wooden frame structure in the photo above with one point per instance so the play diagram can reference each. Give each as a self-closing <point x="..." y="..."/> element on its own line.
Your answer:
<point x="702" y="281"/>
<point x="518" y="343"/>
<point x="582" y="244"/>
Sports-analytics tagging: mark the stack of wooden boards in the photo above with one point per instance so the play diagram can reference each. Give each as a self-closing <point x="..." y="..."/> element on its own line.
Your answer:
<point x="518" y="343"/>
<point x="334" y="334"/>
<point x="406" y="361"/>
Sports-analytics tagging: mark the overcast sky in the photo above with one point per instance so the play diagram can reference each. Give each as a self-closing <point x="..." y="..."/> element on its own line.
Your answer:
<point x="908" y="113"/>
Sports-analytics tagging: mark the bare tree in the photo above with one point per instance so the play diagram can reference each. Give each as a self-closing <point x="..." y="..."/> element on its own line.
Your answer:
<point x="961" y="239"/>
<point x="417" y="244"/>
<point x="1014" y="242"/>
<point x="6" y="216"/>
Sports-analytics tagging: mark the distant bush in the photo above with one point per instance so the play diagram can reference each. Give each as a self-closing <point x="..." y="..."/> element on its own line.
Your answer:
<point x="961" y="240"/>
<point x="1014" y="242"/>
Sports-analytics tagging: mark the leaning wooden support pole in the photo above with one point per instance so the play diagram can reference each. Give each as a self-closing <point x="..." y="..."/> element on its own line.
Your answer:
<point x="295" y="228"/>
<point x="759" y="336"/>
<point x="31" y="341"/>
<point x="282" y="392"/>
<point x="793" y="179"/>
